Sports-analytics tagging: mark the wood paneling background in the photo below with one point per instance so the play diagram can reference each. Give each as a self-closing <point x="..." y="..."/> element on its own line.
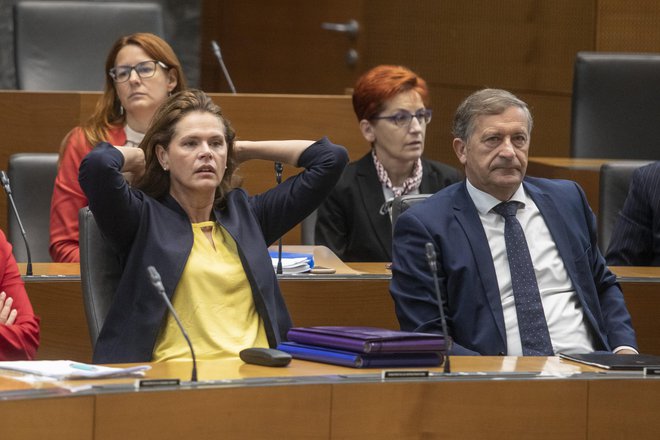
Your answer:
<point x="526" y="46"/>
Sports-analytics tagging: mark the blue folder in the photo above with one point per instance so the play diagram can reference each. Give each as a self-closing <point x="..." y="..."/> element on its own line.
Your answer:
<point x="361" y="360"/>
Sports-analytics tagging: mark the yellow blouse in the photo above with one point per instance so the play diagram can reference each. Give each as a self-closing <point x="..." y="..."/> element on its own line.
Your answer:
<point x="214" y="302"/>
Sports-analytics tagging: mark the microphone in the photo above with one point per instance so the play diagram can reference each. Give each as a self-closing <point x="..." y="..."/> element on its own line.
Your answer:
<point x="5" y="184"/>
<point x="431" y="258"/>
<point x="158" y="284"/>
<point x="278" y="178"/>
<point x="218" y="55"/>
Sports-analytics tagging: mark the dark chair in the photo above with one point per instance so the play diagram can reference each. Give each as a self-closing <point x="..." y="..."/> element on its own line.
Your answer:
<point x="307" y="227"/>
<point x="401" y="203"/>
<point x="100" y="271"/>
<point x="31" y="177"/>
<point x="63" y="45"/>
<point x="614" y="182"/>
<point x="615" y="106"/>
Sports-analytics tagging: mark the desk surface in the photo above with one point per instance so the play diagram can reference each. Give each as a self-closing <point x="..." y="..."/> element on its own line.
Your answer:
<point x="339" y="299"/>
<point x="71" y="271"/>
<point x="316" y="401"/>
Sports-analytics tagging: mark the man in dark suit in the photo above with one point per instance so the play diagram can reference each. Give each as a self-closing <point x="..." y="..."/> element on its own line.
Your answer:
<point x="517" y="258"/>
<point x="391" y="105"/>
<point x="636" y="236"/>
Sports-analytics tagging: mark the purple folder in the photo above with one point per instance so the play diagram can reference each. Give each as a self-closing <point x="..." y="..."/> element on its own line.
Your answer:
<point x="361" y="360"/>
<point x="367" y="339"/>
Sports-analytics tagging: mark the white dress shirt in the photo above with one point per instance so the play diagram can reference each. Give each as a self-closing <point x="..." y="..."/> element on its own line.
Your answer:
<point x="569" y="330"/>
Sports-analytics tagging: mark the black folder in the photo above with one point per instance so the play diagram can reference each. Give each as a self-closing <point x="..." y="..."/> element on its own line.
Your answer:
<point x="611" y="361"/>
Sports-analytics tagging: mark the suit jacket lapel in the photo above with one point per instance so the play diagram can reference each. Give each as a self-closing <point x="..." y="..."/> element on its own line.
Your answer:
<point x="468" y="217"/>
<point x="370" y="192"/>
<point x="554" y="220"/>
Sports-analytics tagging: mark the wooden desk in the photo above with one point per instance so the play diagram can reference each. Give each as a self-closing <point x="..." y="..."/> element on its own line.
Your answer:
<point x="586" y="172"/>
<point x="359" y="298"/>
<point x="350" y="297"/>
<point x="494" y="397"/>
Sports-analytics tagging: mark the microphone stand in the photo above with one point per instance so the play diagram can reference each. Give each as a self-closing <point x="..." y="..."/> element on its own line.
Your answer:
<point x="218" y="55"/>
<point x="158" y="284"/>
<point x="431" y="257"/>
<point x="278" y="178"/>
<point x="7" y="187"/>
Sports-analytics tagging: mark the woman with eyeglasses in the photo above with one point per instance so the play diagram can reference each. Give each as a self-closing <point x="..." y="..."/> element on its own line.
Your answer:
<point x="142" y="70"/>
<point x="391" y="105"/>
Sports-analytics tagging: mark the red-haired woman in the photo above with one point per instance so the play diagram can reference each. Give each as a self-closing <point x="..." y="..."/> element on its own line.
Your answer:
<point x="142" y="70"/>
<point x="391" y="105"/>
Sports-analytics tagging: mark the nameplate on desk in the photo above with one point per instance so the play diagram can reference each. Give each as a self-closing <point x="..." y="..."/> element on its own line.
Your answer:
<point x="652" y="371"/>
<point x="404" y="374"/>
<point x="153" y="383"/>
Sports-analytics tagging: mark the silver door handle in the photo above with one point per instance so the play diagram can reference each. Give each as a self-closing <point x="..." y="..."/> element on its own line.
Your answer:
<point x="349" y="28"/>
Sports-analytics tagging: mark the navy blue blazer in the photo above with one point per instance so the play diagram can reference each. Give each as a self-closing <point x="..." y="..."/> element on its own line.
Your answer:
<point x="636" y="237"/>
<point x="146" y="231"/>
<point x="349" y="222"/>
<point x="467" y="275"/>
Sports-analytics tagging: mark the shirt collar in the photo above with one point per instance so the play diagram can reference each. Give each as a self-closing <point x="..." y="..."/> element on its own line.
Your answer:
<point x="484" y="202"/>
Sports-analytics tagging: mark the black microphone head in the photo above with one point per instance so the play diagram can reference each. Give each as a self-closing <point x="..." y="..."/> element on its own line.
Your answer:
<point x="153" y="274"/>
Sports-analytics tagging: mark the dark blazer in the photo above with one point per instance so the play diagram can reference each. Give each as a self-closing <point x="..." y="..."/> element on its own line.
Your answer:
<point x="636" y="237"/>
<point x="449" y="220"/>
<point x="349" y="221"/>
<point x="146" y="231"/>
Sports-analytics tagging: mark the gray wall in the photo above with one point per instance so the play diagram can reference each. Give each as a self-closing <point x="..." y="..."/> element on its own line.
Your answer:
<point x="182" y="31"/>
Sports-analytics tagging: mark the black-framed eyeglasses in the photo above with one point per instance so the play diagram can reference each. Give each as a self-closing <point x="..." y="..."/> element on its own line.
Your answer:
<point x="403" y="119"/>
<point x="145" y="69"/>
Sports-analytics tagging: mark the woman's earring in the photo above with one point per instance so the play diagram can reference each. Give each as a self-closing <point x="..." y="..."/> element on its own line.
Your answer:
<point x="121" y="110"/>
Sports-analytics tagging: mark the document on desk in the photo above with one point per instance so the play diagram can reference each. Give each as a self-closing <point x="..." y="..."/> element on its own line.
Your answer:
<point x="70" y="370"/>
<point x="292" y="262"/>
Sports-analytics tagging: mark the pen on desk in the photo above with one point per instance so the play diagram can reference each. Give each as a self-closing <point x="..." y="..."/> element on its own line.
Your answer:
<point x="82" y="366"/>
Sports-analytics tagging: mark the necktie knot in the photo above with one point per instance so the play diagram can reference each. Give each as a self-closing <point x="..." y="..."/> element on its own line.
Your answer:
<point x="507" y="209"/>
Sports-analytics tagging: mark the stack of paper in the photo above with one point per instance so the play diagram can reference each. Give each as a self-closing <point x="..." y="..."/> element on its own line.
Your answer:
<point x="293" y="262"/>
<point x="66" y="370"/>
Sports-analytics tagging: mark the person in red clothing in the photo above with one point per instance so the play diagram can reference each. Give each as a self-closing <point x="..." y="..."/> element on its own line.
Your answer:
<point x="142" y="71"/>
<point x="19" y="327"/>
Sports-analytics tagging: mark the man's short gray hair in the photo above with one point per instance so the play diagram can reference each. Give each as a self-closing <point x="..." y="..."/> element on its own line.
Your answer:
<point x="485" y="102"/>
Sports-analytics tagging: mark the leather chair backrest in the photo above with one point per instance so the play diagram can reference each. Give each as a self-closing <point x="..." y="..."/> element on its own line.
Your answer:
<point x="307" y="228"/>
<point x="614" y="183"/>
<point x="63" y="45"/>
<point x="31" y="177"/>
<point x="401" y="203"/>
<point x="100" y="271"/>
<point x="615" y="106"/>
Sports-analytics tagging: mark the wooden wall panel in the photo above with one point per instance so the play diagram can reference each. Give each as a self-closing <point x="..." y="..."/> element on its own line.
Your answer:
<point x="550" y="136"/>
<point x="278" y="47"/>
<point x="529" y="46"/>
<point x="628" y="26"/>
